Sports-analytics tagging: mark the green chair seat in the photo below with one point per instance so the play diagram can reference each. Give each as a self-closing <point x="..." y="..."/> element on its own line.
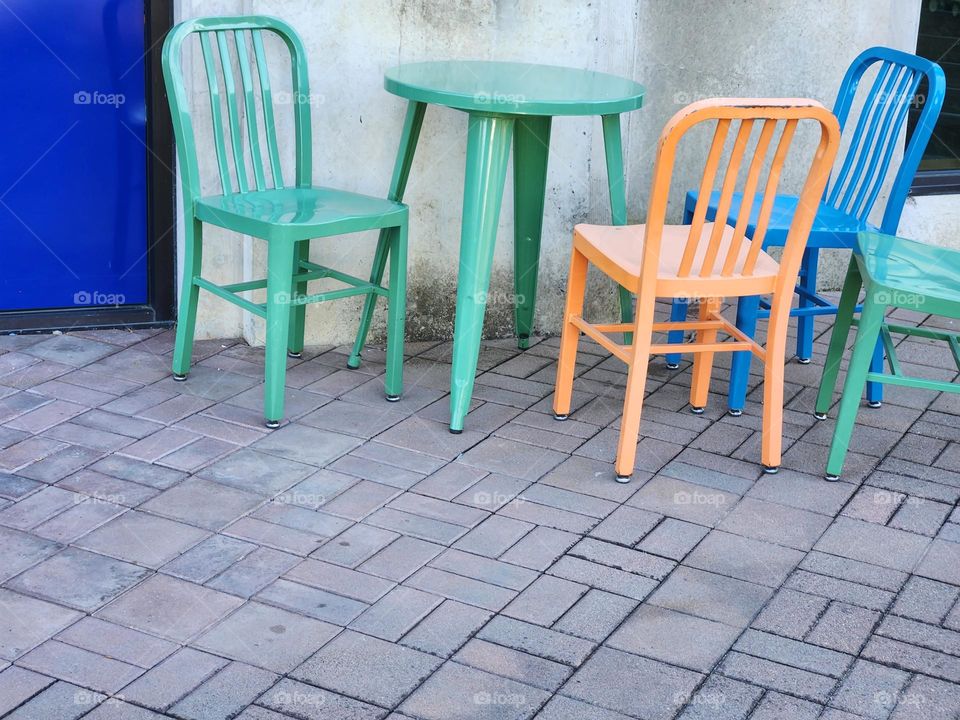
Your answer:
<point x="299" y="213"/>
<point x="911" y="267"/>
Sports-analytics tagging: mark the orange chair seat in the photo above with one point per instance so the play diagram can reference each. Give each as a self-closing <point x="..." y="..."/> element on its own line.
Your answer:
<point x="618" y="252"/>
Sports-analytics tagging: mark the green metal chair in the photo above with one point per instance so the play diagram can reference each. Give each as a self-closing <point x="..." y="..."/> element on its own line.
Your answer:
<point x="285" y="216"/>
<point x="895" y="273"/>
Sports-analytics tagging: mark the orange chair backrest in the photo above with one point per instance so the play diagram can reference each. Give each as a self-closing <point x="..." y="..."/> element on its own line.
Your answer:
<point x="773" y="117"/>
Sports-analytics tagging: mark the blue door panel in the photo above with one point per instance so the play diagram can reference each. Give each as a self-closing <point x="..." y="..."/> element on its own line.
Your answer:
<point x="73" y="158"/>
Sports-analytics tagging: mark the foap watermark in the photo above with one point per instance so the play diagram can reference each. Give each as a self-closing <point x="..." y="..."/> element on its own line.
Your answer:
<point x="499" y="298"/>
<point x="96" y="97"/>
<point x="499" y="698"/>
<point x="886" y="699"/>
<point x="899" y="297"/>
<point x="304" y="499"/>
<point x="97" y="297"/>
<point x="486" y="498"/>
<point x="713" y="700"/>
<point x="498" y="98"/>
<point x="299" y="98"/>
<point x="698" y="498"/>
<point x="298" y="698"/>
<point x="115" y="499"/>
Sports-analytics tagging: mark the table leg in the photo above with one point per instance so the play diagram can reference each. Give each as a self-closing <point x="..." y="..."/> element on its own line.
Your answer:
<point x="398" y="184"/>
<point x="531" y="146"/>
<point x="488" y="150"/>
<point x="618" y="200"/>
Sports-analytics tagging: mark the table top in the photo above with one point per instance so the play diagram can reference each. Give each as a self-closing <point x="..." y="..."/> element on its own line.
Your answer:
<point x="514" y="88"/>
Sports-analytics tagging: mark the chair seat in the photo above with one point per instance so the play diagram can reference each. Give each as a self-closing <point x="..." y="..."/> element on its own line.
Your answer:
<point x="915" y="268"/>
<point x="618" y="251"/>
<point x="299" y="213"/>
<point x="831" y="227"/>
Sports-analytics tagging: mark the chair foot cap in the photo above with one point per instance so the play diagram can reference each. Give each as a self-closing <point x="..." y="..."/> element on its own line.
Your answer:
<point x="179" y="378"/>
<point x="831" y="478"/>
<point x="734" y="413"/>
<point x="697" y="410"/>
<point x="874" y="404"/>
<point x="820" y="416"/>
<point x="272" y="424"/>
<point x="560" y="418"/>
<point x="393" y="398"/>
<point x="623" y="479"/>
<point x="455" y="432"/>
<point x="672" y="366"/>
<point x="353" y="362"/>
<point x="294" y="355"/>
<point x="803" y="361"/>
<point x="771" y="470"/>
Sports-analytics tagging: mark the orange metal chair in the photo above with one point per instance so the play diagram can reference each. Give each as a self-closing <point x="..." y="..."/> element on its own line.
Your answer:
<point x="706" y="261"/>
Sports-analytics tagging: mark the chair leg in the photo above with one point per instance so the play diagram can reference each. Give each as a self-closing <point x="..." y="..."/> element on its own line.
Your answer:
<point x="703" y="360"/>
<point x="636" y="387"/>
<point x="747" y="309"/>
<point x="570" y="337"/>
<point x="370" y="303"/>
<point x="298" y="314"/>
<point x="838" y="339"/>
<point x="772" y="432"/>
<point x="678" y="313"/>
<point x="189" y="299"/>
<point x="805" y="323"/>
<point x="279" y="290"/>
<point x="868" y="332"/>
<point x="396" y="313"/>
<point x="875" y="389"/>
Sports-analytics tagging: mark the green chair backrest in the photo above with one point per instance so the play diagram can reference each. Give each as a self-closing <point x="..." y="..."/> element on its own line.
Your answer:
<point x="226" y="43"/>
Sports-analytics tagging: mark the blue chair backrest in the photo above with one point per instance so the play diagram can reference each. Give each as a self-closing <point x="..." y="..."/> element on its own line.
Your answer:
<point x="874" y="139"/>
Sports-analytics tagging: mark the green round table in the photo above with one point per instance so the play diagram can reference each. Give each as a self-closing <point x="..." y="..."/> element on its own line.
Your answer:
<point x="507" y="103"/>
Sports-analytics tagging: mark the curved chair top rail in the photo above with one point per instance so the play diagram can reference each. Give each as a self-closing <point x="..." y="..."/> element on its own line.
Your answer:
<point x="876" y="134"/>
<point x="771" y="117"/>
<point x="229" y="44"/>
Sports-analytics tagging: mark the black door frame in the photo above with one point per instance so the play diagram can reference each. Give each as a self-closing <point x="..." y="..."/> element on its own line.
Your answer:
<point x="159" y="310"/>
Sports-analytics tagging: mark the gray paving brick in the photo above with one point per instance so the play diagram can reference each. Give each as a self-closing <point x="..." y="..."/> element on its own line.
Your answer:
<point x="225" y="694"/>
<point x="254" y="572"/>
<point x="521" y="508"/>
<point x="720" y="698"/>
<point x="169" y="681"/>
<point x="360" y="500"/>
<point x="854" y="571"/>
<point x="536" y="640"/>
<point x="17" y="685"/>
<point x="512" y="458"/>
<point x="279" y="537"/>
<point x="610" y="678"/>
<point x="256" y="472"/>
<point x="844" y="627"/>
<point x="347" y="582"/>
<point x="469" y="694"/>
<point x="203" y="503"/>
<point x="317" y="490"/>
<point x="484" y="569"/>
<point x="446" y="628"/>
<point x="564" y="708"/>
<point x="588" y="476"/>
<point x="403" y="557"/>
<point x="711" y="596"/>
<point x="36" y="508"/>
<point x="86" y="515"/>
<point x="169" y="607"/>
<point x="310" y="601"/>
<point x="367" y="668"/>
<point x="267" y="637"/>
<point x="603" y="577"/>
<point x="464" y="589"/>
<point x="14" y="487"/>
<point x="683" y="500"/>
<point x="27" y="622"/>
<point x="306" y="444"/>
<point x="921" y="516"/>
<point x="774" y="706"/>
<point x="355" y="545"/>
<point x="775" y="523"/>
<point x="870" y="690"/>
<point x="793" y="653"/>
<point x="393" y="615"/>
<point x="884" y="546"/>
<point x="435" y="509"/>
<point x="791" y="614"/>
<point x="927" y="699"/>
<point x="626" y="525"/>
<point x="615" y="556"/>
<point x="61" y="700"/>
<point x="545" y="600"/>
<point x="595" y="615"/>
<point x="942" y="562"/>
<point x="744" y="558"/>
<point x="80" y="666"/>
<point x="806" y="492"/>
<point x="493" y="536"/>
<point x="925" y="600"/>
<point x="838" y="589"/>
<point x="309" y="703"/>
<point x="519" y="666"/>
<point x="113" y="709"/>
<point x="143" y="538"/>
<point x="540" y="548"/>
<point x="208" y="558"/>
<point x="384" y="473"/>
<point x="673" y="538"/>
<point x="675" y="638"/>
<point x="450" y="481"/>
<point x="791" y="681"/>
<point x="904" y="656"/>
<point x="118" y="642"/>
<point x="80" y="579"/>
<point x="492" y="492"/>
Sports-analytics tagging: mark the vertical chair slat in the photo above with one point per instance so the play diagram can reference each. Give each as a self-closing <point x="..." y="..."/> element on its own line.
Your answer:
<point x="703" y="199"/>
<point x="880" y="126"/>
<point x="769" y="195"/>
<point x="726" y="196"/>
<point x="880" y="164"/>
<point x="749" y="193"/>
<point x="266" y="97"/>
<point x="250" y="108"/>
<point x="211" y="71"/>
<point x="864" y="136"/>
<point x="233" y="112"/>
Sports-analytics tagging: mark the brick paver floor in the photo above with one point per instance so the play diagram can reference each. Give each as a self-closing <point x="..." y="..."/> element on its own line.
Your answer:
<point x="164" y="555"/>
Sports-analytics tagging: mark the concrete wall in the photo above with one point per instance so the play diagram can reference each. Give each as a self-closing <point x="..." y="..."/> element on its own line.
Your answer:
<point x="681" y="50"/>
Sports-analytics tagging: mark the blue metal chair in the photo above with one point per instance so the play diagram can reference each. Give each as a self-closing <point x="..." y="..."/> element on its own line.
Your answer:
<point x="847" y="201"/>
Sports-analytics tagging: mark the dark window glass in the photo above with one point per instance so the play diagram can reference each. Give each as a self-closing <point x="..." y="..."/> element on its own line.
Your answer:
<point x="939" y="40"/>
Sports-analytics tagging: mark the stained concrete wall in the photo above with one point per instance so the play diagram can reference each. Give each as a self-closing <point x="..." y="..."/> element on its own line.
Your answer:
<point x="681" y="50"/>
